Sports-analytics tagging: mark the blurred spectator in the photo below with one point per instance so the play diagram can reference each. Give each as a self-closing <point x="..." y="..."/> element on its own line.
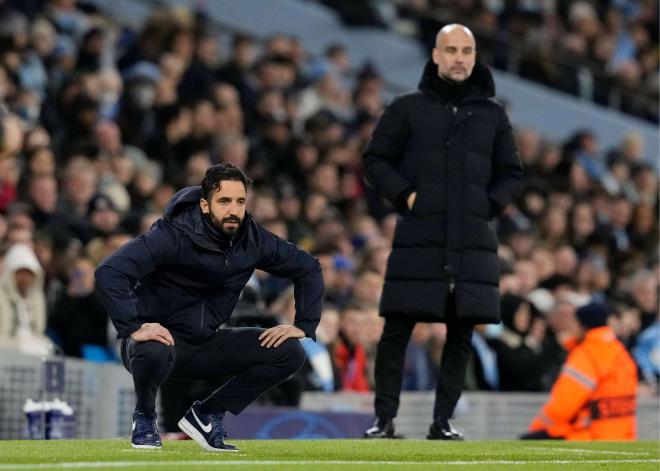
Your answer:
<point x="22" y="302"/>
<point x="43" y="194"/>
<point x="79" y="319"/>
<point x="554" y="228"/>
<point x="519" y="346"/>
<point x="620" y="214"/>
<point x="418" y="369"/>
<point x="625" y="322"/>
<point x="527" y="273"/>
<point x="368" y="288"/>
<point x="319" y="369"/>
<point x="9" y="179"/>
<point x="235" y="70"/>
<point x="79" y="185"/>
<point x="647" y="355"/>
<point x="103" y="216"/>
<point x="349" y="354"/>
<point x="12" y="136"/>
<point x="345" y="280"/>
<point x="646" y="184"/>
<point x="644" y="295"/>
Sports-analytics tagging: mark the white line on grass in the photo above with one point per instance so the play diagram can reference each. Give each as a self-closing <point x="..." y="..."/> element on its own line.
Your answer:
<point x="582" y="450"/>
<point x="125" y="464"/>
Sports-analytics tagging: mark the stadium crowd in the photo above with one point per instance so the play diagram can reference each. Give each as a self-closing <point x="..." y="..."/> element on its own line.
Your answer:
<point x="114" y="122"/>
<point x="600" y="50"/>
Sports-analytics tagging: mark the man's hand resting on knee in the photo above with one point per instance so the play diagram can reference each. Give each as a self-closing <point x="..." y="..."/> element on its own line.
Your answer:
<point x="274" y="336"/>
<point x="153" y="331"/>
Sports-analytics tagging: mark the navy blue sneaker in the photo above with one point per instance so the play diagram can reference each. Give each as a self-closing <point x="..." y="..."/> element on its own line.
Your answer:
<point x="145" y="431"/>
<point x="206" y="429"/>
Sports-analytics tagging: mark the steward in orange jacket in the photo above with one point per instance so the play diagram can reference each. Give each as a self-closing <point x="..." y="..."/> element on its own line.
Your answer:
<point x="594" y="397"/>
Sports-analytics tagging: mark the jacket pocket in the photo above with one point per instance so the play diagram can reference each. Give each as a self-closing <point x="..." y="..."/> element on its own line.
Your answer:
<point x="478" y="168"/>
<point x="431" y="199"/>
<point x="411" y="210"/>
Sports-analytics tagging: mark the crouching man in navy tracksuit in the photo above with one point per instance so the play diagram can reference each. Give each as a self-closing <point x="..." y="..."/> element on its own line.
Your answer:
<point x="169" y="291"/>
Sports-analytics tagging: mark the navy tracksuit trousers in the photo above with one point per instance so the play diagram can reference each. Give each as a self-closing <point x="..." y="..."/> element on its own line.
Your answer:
<point x="231" y="352"/>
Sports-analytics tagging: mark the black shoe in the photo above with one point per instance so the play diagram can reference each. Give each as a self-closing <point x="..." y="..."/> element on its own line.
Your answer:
<point x="382" y="428"/>
<point x="441" y="429"/>
<point x="206" y="429"/>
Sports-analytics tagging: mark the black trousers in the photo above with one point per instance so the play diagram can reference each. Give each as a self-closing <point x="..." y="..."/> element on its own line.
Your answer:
<point x="390" y="358"/>
<point x="233" y="352"/>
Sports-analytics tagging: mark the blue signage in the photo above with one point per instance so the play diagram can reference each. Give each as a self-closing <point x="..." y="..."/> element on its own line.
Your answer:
<point x="286" y="423"/>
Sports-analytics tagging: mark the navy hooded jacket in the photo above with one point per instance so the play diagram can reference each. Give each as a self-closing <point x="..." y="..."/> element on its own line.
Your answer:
<point x="179" y="275"/>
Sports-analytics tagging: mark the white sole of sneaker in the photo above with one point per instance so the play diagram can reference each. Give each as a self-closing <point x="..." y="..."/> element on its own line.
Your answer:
<point x="192" y="432"/>
<point x="145" y="447"/>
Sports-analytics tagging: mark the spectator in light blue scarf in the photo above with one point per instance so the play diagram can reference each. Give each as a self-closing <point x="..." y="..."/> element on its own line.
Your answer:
<point x="647" y="354"/>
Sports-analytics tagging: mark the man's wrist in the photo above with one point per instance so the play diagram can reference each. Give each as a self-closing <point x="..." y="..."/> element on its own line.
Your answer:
<point x="134" y="328"/>
<point x="301" y="330"/>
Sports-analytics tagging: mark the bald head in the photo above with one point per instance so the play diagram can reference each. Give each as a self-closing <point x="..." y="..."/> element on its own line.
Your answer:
<point x="453" y="28"/>
<point x="455" y="52"/>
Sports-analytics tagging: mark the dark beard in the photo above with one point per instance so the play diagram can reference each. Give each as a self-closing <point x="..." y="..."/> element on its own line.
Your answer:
<point x="218" y="224"/>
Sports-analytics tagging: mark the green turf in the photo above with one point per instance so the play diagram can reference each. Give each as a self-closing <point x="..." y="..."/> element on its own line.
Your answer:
<point x="360" y="455"/>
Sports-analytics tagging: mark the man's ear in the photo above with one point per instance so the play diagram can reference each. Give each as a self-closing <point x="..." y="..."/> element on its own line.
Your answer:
<point x="204" y="205"/>
<point x="436" y="56"/>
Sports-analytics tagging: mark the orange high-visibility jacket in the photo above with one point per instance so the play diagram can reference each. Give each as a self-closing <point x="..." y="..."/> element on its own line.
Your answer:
<point x="594" y="397"/>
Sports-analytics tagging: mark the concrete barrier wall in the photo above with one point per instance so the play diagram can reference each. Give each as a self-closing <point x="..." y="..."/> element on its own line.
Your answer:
<point x="102" y="397"/>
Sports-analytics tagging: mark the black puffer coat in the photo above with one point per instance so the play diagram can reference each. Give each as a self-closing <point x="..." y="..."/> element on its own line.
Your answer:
<point x="464" y="166"/>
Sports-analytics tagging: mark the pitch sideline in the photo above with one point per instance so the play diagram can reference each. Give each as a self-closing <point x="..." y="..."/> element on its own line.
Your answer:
<point x="125" y="464"/>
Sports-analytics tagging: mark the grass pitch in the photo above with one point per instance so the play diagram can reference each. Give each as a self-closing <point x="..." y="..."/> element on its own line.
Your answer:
<point x="359" y="455"/>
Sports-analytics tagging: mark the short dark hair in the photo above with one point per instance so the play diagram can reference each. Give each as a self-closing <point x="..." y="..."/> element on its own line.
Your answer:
<point x="333" y="49"/>
<point x="224" y="171"/>
<point x="241" y="38"/>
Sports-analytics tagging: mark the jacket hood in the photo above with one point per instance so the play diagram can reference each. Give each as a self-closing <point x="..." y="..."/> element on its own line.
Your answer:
<point x="509" y="304"/>
<point x="184" y="213"/>
<point x="182" y="201"/>
<point x="480" y="84"/>
<point x="21" y="256"/>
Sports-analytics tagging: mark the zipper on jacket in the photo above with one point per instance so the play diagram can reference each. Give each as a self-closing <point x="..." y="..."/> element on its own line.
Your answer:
<point x="201" y="323"/>
<point x="454" y="110"/>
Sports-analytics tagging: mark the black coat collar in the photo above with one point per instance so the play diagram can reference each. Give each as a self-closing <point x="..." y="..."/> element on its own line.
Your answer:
<point x="480" y="84"/>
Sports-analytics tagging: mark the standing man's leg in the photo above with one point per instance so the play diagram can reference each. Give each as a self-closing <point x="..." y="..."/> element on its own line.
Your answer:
<point x="390" y="358"/>
<point x="150" y="363"/>
<point x="453" y="367"/>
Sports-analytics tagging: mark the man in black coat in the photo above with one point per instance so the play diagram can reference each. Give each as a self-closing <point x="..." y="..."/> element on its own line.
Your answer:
<point x="169" y="292"/>
<point x="445" y="157"/>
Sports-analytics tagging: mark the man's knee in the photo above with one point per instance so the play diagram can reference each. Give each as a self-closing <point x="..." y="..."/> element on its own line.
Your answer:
<point x="153" y="353"/>
<point x="293" y="355"/>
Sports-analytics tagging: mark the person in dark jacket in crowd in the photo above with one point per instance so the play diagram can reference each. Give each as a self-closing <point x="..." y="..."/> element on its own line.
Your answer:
<point x="169" y="292"/>
<point x="78" y="319"/>
<point x="445" y="157"/>
<point x="521" y="360"/>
